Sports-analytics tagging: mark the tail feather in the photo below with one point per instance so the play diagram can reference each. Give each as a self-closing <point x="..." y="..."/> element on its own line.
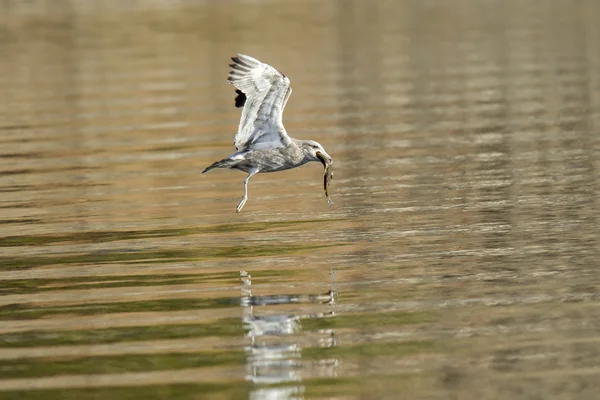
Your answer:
<point x="226" y="163"/>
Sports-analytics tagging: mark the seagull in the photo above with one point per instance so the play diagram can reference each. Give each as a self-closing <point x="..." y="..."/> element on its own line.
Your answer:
<point x="261" y="141"/>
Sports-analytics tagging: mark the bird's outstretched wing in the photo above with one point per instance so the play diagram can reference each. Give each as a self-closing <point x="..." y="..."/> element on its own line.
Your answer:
<point x="263" y="92"/>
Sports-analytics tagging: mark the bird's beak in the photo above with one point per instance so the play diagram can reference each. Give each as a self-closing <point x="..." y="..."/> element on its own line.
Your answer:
<point x="324" y="158"/>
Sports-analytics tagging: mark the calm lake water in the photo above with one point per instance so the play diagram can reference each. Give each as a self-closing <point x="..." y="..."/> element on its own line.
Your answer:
<point x="461" y="258"/>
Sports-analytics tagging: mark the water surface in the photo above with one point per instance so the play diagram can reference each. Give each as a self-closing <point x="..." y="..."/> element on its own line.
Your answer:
<point x="460" y="259"/>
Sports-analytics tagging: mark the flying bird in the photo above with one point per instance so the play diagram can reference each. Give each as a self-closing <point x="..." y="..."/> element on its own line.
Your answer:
<point x="261" y="141"/>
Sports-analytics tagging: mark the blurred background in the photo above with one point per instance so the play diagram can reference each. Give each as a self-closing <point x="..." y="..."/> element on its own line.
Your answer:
<point x="460" y="259"/>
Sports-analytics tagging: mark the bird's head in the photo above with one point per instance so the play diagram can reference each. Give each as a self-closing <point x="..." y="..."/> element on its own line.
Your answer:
<point x="315" y="152"/>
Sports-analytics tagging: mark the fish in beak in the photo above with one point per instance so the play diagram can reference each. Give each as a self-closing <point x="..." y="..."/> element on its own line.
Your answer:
<point x="327" y="162"/>
<point x="324" y="158"/>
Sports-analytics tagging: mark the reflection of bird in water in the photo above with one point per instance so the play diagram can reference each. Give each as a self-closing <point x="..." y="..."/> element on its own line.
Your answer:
<point x="274" y="355"/>
<point x="262" y="143"/>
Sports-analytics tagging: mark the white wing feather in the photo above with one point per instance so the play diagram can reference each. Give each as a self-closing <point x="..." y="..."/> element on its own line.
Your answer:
<point x="267" y="90"/>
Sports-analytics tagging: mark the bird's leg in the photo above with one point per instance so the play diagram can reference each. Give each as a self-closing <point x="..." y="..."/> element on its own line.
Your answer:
<point x="251" y="173"/>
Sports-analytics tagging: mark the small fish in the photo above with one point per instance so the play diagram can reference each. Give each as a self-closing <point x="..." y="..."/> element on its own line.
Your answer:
<point x="327" y="177"/>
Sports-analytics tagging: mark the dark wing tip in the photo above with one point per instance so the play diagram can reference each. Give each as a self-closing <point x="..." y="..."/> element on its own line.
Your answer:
<point x="240" y="62"/>
<point x="240" y="100"/>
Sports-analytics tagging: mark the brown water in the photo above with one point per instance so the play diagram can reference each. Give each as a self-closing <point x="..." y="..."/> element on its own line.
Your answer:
<point x="460" y="260"/>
